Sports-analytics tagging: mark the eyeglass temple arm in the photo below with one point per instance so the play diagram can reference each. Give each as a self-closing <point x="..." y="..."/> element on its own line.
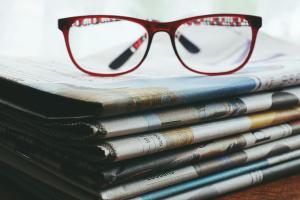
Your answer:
<point x="124" y="56"/>
<point x="190" y="46"/>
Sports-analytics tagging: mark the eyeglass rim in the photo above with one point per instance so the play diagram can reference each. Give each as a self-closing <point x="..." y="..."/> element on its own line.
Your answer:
<point x="64" y="24"/>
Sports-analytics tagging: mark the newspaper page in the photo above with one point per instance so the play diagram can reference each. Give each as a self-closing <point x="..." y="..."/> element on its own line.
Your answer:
<point x="164" y="179"/>
<point x="150" y="143"/>
<point x="191" y="114"/>
<point x="97" y="129"/>
<point x="87" y="173"/>
<point x="223" y="175"/>
<point x="196" y="153"/>
<point x="240" y="182"/>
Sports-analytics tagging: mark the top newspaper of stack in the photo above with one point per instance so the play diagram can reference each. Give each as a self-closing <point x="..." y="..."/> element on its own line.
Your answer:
<point x="31" y="85"/>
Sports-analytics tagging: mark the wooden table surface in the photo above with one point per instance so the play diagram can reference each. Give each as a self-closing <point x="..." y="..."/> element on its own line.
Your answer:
<point x="284" y="189"/>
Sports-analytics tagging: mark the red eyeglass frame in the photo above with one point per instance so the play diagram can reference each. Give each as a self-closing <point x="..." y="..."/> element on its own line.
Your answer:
<point x="152" y="27"/>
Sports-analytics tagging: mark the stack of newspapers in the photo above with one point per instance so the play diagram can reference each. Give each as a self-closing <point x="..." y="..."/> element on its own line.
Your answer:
<point x="66" y="135"/>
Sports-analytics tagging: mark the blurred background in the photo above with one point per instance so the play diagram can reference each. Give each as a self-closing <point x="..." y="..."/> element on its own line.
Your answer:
<point x="29" y="28"/>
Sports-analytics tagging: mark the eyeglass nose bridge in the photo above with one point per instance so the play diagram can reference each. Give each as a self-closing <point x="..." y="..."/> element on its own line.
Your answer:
<point x="161" y="27"/>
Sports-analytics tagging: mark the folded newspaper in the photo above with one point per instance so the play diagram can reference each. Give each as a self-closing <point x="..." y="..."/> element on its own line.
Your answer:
<point x="73" y="94"/>
<point x="140" y="135"/>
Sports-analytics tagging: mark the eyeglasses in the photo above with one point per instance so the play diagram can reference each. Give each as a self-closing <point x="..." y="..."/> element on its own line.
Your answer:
<point x="104" y="45"/>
